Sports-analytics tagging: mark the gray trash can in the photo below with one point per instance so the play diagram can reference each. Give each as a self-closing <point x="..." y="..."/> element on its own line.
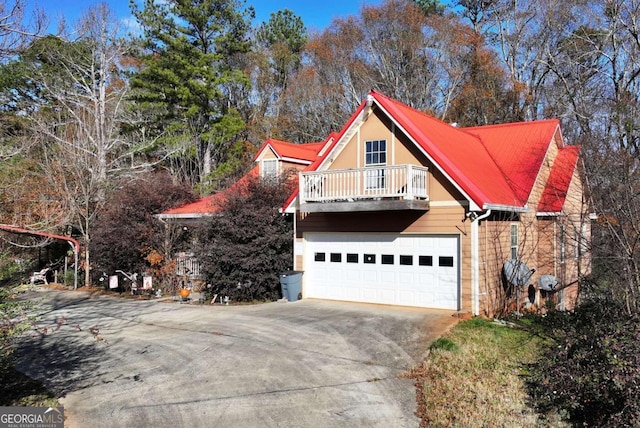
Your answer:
<point x="291" y="284"/>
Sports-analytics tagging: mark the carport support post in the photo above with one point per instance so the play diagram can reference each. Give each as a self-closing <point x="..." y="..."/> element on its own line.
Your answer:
<point x="475" y="262"/>
<point x="75" y="265"/>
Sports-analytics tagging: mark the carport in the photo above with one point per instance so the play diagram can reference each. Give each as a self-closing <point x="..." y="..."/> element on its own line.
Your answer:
<point x="75" y="245"/>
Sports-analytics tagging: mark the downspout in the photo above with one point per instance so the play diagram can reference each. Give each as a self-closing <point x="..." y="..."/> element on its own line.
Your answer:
<point x="295" y="235"/>
<point x="475" y="262"/>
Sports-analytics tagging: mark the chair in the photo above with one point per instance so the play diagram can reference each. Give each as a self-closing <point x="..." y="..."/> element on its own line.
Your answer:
<point x="39" y="276"/>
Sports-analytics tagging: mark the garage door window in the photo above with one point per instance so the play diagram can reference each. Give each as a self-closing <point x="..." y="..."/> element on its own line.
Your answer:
<point x="352" y="258"/>
<point x="336" y="257"/>
<point x="319" y="257"/>
<point x="406" y="260"/>
<point x="425" y="260"/>
<point x="387" y="259"/>
<point x="369" y="258"/>
<point x="445" y="261"/>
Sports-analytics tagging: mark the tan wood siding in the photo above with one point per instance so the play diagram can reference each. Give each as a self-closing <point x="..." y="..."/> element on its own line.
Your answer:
<point x="494" y="245"/>
<point x="267" y="154"/>
<point x="400" y="151"/>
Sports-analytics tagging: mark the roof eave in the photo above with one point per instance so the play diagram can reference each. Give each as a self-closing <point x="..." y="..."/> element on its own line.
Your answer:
<point x="508" y="208"/>
<point x="296" y="160"/>
<point x="290" y="204"/>
<point x="549" y="214"/>
<point x="182" y="216"/>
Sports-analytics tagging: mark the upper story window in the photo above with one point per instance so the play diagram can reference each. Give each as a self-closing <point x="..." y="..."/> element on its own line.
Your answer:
<point x="375" y="154"/>
<point x="269" y="168"/>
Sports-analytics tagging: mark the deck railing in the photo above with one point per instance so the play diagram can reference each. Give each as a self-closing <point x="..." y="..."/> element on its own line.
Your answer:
<point x="187" y="265"/>
<point x="374" y="182"/>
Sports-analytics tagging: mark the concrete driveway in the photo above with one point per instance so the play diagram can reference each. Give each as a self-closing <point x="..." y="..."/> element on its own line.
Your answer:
<point x="123" y="363"/>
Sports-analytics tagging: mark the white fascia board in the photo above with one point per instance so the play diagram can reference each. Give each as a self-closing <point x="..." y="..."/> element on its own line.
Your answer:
<point x="348" y="133"/>
<point x="294" y="160"/>
<point x="509" y="208"/>
<point x="291" y="208"/>
<point x="549" y="214"/>
<point x="326" y="146"/>
<point x="181" y="216"/>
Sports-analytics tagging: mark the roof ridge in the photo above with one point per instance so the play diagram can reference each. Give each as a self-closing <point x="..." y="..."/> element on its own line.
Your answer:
<point x="418" y="111"/>
<point x="509" y="124"/>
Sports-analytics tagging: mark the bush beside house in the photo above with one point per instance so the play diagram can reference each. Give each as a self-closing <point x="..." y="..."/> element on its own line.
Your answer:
<point x="590" y="372"/>
<point x="248" y="243"/>
<point x="125" y="232"/>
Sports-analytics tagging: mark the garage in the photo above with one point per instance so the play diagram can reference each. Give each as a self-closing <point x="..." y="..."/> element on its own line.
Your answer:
<point x="406" y="270"/>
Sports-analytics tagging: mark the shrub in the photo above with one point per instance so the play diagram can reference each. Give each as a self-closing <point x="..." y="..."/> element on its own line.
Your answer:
<point x="125" y="232"/>
<point x="591" y="370"/>
<point x="243" y="250"/>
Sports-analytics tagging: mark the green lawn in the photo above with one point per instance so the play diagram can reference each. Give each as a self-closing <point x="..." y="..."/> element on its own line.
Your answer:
<point x="475" y="377"/>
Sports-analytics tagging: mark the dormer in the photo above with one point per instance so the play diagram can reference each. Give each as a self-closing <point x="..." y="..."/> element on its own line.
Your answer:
<point x="276" y="157"/>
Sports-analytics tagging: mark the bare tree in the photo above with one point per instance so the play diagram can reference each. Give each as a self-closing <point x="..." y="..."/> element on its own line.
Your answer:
<point x="16" y="31"/>
<point x="79" y="116"/>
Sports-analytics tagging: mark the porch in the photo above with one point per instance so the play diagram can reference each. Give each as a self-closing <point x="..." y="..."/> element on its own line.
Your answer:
<point x="374" y="188"/>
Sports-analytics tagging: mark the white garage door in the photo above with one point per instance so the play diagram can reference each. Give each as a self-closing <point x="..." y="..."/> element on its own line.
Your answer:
<point x="408" y="270"/>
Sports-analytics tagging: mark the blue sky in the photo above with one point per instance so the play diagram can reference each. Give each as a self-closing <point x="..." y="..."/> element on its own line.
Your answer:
<point x="315" y="15"/>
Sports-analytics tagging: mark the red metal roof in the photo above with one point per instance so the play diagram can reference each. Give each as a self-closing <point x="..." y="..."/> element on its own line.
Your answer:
<point x="557" y="187"/>
<point x="209" y="204"/>
<point x="518" y="150"/>
<point x="493" y="165"/>
<point x="305" y="152"/>
<point x="459" y="154"/>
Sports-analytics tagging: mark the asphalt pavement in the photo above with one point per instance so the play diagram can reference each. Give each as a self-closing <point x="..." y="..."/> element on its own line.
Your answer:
<point x="128" y="363"/>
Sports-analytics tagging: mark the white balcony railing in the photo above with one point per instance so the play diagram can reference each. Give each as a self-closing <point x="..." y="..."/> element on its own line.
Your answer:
<point x="407" y="182"/>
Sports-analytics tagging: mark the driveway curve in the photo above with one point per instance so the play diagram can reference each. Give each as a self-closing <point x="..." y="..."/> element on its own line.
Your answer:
<point x="125" y="363"/>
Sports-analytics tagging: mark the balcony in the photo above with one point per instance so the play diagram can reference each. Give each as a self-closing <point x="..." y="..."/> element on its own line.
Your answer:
<point x="375" y="188"/>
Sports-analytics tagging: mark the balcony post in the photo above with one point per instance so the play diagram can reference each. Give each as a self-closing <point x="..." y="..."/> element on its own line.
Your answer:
<point x="408" y="182"/>
<point x="303" y="185"/>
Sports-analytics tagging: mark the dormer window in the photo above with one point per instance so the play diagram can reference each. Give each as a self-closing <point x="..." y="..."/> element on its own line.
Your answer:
<point x="269" y="168"/>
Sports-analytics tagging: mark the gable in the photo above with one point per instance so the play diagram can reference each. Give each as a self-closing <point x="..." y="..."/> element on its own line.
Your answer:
<point x="289" y="156"/>
<point x="399" y="150"/>
<point x="288" y="152"/>
<point x="494" y="166"/>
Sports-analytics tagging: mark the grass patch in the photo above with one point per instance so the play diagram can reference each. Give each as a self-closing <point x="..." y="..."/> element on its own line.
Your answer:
<point x="443" y="343"/>
<point x="475" y="377"/>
